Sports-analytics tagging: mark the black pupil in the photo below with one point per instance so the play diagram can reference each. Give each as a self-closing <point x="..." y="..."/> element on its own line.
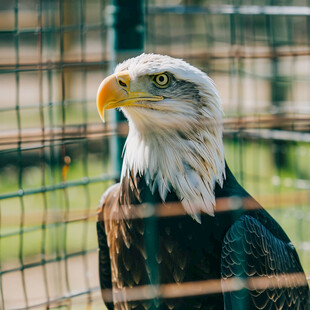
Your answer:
<point x="161" y="78"/>
<point x="122" y="83"/>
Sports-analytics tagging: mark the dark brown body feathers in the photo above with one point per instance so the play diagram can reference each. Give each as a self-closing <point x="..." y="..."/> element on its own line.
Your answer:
<point x="138" y="248"/>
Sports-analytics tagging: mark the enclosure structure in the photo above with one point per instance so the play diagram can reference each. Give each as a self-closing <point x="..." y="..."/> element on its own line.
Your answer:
<point x="56" y="157"/>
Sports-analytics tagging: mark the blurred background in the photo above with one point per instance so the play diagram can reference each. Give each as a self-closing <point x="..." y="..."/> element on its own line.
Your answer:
<point x="56" y="157"/>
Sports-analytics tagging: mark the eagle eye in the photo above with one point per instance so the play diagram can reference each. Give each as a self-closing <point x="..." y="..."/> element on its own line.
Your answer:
<point x="162" y="80"/>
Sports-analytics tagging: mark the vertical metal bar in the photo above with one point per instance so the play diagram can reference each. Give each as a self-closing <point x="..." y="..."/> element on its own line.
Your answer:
<point x="52" y="201"/>
<point x="129" y="40"/>
<point x="19" y="154"/>
<point x="238" y="39"/>
<point x="129" y="26"/>
<point x="115" y="145"/>
<point x="65" y="239"/>
<point x="85" y="154"/>
<point x="61" y="229"/>
<point x="1" y="285"/>
<point x="126" y="36"/>
<point x="146" y="23"/>
<point x="51" y="154"/>
<point x="232" y="88"/>
<point x="279" y="88"/>
<point x="151" y="223"/>
<point x="240" y="64"/>
<point x="42" y="153"/>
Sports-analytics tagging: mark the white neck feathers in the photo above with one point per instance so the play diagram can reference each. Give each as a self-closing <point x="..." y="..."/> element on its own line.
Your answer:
<point x="190" y="167"/>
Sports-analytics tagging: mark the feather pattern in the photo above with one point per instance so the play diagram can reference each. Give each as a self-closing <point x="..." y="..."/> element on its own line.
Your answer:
<point x="250" y="250"/>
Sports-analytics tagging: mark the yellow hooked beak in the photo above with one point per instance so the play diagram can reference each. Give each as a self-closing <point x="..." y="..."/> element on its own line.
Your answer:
<point x="114" y="91"/>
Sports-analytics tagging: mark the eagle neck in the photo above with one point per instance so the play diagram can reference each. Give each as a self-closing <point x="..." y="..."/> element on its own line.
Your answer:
<point x="169" y="162"/>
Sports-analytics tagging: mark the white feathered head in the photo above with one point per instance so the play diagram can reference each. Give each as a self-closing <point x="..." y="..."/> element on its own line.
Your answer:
<point x="175" y="117"/>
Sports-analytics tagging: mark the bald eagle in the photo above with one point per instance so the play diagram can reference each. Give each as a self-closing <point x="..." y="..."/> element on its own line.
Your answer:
<point x="150" y="256"/>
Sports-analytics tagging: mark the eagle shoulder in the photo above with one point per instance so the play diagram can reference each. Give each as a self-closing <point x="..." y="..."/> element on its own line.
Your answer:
<point x="109" y="197"/>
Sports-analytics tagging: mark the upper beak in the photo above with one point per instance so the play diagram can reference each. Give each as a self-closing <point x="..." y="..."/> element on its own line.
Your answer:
<point x="114" y="91"/>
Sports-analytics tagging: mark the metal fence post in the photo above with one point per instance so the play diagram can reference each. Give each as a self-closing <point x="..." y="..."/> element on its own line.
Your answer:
<point x="126" y="39"/>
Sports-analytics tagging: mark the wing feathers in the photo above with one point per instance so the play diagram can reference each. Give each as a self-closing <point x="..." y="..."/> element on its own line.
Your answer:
<point x="251" y="251"/>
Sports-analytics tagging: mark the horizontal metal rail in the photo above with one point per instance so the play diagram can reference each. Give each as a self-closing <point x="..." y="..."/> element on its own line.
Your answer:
<point x="50" y="188"/>
<point x="55" y="29"/>
<point x="55" y="65"/>
<point x="59" y="301"/>
<point x="266" y="127"/>
<point x="47" y="261"/>
<point x="213" y="286"/>
<point x="230" y="10"/>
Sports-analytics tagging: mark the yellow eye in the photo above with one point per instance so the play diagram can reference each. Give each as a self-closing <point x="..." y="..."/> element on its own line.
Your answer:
<point x="162" y="80"/>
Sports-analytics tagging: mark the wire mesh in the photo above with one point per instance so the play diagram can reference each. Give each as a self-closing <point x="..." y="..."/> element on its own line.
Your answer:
<point x="258" y="55"/>
<point x="53" y="152"/>
<point x="55" y="156"/>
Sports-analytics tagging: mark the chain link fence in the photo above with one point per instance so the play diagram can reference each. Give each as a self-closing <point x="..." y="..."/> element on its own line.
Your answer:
<point x="56" y="158"/>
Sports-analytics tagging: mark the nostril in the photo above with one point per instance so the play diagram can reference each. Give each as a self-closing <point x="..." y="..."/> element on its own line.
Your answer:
<point x="121" y="83"/>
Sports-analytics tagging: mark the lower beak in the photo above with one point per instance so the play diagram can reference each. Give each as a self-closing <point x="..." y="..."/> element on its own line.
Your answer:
<point x="114" y="91"/>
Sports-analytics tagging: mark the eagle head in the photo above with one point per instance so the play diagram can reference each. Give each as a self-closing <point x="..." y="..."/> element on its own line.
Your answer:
<point x="175" y="127"/>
